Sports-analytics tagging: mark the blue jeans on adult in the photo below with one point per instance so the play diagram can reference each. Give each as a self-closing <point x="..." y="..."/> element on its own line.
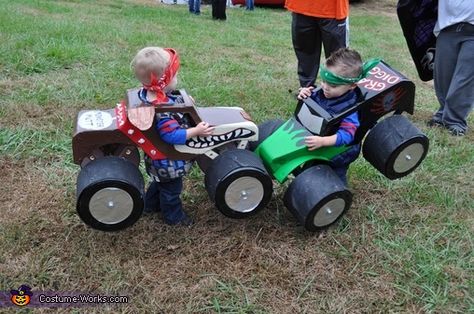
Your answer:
<point x="249" y="4"/>
<point x="195" y="6"/>
<point x="165" y="196"/>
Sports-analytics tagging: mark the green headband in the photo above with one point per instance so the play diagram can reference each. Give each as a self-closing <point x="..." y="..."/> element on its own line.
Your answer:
<point x="335" y="79"/>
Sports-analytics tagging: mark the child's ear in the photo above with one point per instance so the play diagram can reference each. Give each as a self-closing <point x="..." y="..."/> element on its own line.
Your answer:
<point x="172" y="85"/>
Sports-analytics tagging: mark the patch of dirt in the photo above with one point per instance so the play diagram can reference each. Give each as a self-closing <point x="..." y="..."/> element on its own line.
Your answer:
<point x="384" y="7"/>
<point x="25" y="192"/>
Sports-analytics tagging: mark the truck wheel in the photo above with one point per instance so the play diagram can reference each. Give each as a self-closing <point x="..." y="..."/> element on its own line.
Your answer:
<point x="395" y="147"/>
<point x="110" y="193"/>
<point x="238" y="183"/>
<point x="204" y="162"/>
<point x="317" y="198"/>
<point x="264" y="131"/>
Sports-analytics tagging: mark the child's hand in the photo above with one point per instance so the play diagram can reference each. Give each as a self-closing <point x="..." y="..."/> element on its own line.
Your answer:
<point x="305" y="92"/>
<point x="202" y="129"/>
<point x="315" y="142"/>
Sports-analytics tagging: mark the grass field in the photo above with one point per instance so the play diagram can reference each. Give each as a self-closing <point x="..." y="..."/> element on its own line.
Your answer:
<point x="404" y="246"/>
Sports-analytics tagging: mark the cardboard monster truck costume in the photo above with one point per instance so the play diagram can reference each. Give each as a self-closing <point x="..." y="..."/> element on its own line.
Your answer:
<point x="394" y="146"/>
<point x="106" y="145"/>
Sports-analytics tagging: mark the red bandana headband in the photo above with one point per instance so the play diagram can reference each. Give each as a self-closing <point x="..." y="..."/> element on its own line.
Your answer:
<point x="158" y="84"/>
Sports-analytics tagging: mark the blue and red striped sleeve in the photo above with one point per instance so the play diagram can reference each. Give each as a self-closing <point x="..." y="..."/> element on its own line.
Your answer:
<point x="170" y="131"/>
<point x="345" y="133"/>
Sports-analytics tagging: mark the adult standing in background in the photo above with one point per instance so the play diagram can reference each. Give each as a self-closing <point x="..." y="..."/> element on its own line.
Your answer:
<point x="454" y="65"/>
<point x="249" y="5"/>
<point x="195" y="6"/>
<point x="316" y="23"/>
<point x="218" y="9"/>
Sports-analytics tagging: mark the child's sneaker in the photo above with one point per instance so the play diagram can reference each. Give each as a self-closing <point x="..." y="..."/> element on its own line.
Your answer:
<point x="151" y="210"/>
<point x="186" y="221"/>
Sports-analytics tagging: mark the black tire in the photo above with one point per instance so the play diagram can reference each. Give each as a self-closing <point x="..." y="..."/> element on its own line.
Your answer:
<point x="238" y="183"/>
<point x="317" y="198"/>
<point x="265" y="129"/>
<point x="110" y="194"/>
<point x="204" y="162"/>
<point x="395" y="147"/>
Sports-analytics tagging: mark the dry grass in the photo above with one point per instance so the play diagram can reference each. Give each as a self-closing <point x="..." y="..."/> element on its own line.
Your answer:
<point x="263" y="260"/>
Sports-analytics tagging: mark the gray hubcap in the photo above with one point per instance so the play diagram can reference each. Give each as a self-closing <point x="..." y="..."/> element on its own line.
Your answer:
<point x="408" y="158"/>
<point x="111" y="205"/>
<point x="244" y="194"/>
<point x="329" y="212"/>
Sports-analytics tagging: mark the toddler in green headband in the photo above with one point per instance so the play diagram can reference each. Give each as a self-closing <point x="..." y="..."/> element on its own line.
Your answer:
<point x="339" y="76"/>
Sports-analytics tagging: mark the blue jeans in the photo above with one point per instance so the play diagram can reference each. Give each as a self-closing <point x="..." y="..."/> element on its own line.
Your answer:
<point x="195" y="6"/>
<point x="341" y="162"/>
<point x="249" y="4"/>
<point x="165" y="196"/>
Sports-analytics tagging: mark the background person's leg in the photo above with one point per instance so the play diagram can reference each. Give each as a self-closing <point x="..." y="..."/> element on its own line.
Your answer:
<point x="197" y="7"/>
<point x="445" y="64"/>
<point x="460" y="97"/>
<point x="222" y="7"/>
<point x="306" y="38"/>
<point x="215" y="4"/>
<point x="334" y="35"/>
<point x="249" y="5"/>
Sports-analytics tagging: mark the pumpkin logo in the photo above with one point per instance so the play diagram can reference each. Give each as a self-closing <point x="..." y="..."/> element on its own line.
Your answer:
<point x="22" y="296"/>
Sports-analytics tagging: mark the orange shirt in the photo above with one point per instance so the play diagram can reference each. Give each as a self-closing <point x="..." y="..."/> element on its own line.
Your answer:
<point x="338" y="9"/>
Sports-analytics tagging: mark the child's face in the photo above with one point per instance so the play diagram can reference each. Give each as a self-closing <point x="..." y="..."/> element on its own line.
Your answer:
<point x="334" y="91"/>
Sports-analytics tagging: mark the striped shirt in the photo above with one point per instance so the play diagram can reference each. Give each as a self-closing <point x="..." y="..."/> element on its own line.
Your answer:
<point x="172" y="132"/>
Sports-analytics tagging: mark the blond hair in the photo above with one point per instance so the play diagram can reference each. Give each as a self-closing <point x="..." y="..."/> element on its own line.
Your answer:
<point x="150" y="60"/>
